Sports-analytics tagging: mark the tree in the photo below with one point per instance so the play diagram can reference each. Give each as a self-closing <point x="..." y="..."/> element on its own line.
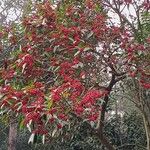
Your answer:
<point x="138" y="24"/>
<point x="66" y="62"/>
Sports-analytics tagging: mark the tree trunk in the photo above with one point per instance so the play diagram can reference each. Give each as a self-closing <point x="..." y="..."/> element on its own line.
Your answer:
<point x="144" y="107"/>
<point x="147" y="129"/>
<point x="12" y="133"/>
<point x="106" y="142"/>
<point x="101" y="135"/>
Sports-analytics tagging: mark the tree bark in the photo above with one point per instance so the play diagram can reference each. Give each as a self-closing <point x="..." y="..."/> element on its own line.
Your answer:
<point x="146" y="121"/>
<point x="12" y="133"/>
<point x="101" y="135"/>
<point x="106" y="142"/>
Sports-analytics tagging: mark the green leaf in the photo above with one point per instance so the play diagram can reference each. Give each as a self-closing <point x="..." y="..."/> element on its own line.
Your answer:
<point x="43" y="139"/>
<point x="21" y="125"/>
<point x="50" y="103"/>
<point x="31" y="139"/>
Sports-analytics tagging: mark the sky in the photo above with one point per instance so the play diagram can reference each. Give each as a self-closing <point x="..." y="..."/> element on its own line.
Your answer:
<point x="12" y="13"/>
